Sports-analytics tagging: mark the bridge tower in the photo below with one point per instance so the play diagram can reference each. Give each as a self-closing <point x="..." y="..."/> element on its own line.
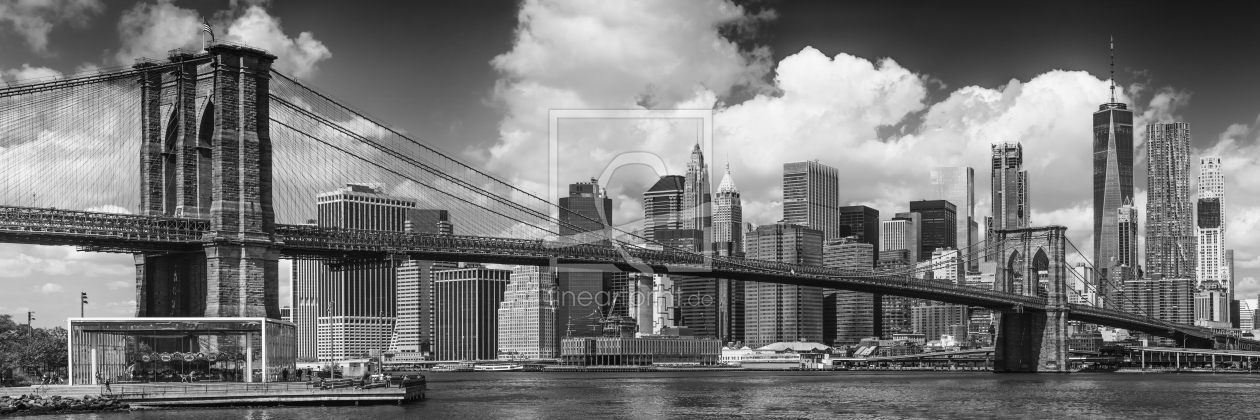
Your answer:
<point x="1032" y="340"/>
<point x="206" y="154"/>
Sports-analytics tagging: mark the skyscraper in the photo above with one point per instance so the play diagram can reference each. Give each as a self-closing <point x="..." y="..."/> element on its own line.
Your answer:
<point x="1127" y="239"/>
<point x="728" y="241"/>
<point x="1113" y="186"/>
<point x="856" y="313"/>
<point x="586" y="209"/>
<point x="938" y="226"/>
<point x="1212" y="265"/>
<point x="1012" y="206"/>
<point x="728" y="215"/>
<point x="527" y="316"/>
<point x="584" y="215"/>
<point x="696" y="198"/>
<point x="776" y="312"/>
<point x="957" y="185"/>
<point x="914" y="238"/>
<point x="1170" y="235"/>
<point x="896" y="234"/>
<point x="862" y="222"/>
<point x="414" y="330"/>
<point x="662" y="206"/>
<point x="350" y="310"/>
<point x="811" y="196"/>
<point x="467" y="313"/>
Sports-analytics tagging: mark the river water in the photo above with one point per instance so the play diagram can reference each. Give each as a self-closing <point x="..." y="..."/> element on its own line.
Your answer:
<point x="539" y="395"/>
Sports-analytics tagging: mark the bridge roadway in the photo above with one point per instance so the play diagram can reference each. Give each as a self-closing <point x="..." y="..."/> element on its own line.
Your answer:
<point x="109" y="232"/>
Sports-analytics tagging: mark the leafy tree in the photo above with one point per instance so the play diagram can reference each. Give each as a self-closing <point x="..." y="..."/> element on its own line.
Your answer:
<point x="33" y="350"/>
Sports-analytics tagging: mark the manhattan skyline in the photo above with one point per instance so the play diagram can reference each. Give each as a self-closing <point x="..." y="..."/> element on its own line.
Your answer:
<point x="882" y="142"/>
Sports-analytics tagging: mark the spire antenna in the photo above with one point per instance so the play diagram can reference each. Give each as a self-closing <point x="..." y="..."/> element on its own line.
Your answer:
<point x="1113" y="69"/>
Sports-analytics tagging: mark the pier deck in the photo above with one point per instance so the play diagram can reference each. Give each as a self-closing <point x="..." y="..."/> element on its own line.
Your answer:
<point x="207" y="394"/>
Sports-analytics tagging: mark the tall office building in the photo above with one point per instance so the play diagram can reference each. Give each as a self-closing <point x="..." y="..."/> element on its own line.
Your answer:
<point x="856" y="313"/>
<point x="696" y="198"/>
<point x="1127" y="240"/>
<point x="934" y="320"/>
<point x="811" y="196"/>
<point x="939" y="225"/>
<point x="1170" y="236"/>
<point x="896" y="234"/>
<point x="1229" y="270"/>
<point x="861" y="223"/>
<point x="776" y="312"/>
<point x="585" y="214"/>
<point x="1012" y="208"/>
<point x="467" y="313"/>
<point x="1212" y="265"/>
<point x="1162" y="298"/>
<point x="1113" y="188"/>
<point x="914" y="236"/>
<point x="413" y="332"/>
<point x="728" y="215"/>
<point x="527" y="316"/>
<point x="948" y="266"/>
<point x="347" y="311"/>
<point x="957" y="186"/>
<point x="728" y="241"/>
<point x="662" y="206"/>
<point x="894" y="311"/>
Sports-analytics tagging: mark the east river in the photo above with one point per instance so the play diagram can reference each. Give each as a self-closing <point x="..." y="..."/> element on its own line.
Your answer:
<point x="539" y="395"/>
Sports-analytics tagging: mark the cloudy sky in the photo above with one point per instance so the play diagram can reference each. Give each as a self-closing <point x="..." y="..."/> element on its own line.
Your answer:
<point x="880" y="92"/>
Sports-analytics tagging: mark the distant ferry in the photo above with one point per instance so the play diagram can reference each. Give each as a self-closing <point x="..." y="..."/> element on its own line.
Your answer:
<point x="451" y="368"/>
<point x="498" y="368"/>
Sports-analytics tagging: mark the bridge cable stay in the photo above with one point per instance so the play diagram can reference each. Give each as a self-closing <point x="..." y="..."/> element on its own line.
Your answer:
<point x="314" y="115"/>
<point x="66" y="145"/>
<point x="1132" y="304"/>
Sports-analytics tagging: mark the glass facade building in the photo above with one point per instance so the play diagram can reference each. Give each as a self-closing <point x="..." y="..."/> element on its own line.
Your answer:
<point x="168" y="349"/>
<point x="957" y="185"/>
<point x="1113" y="188"/>
<point x="1010" y="187"/>
<point x="938" y="225"/>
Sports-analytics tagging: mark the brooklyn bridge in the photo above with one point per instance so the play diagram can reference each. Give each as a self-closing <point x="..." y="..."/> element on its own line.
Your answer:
<point x="205" y="167"/>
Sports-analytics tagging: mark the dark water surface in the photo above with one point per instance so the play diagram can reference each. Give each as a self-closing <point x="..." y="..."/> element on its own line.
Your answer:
<point x="537" y="395"/>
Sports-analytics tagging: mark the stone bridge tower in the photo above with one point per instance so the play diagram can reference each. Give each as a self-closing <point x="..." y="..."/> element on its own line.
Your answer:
<point x="1032" y="340"/>
<point x="206" y="155"/>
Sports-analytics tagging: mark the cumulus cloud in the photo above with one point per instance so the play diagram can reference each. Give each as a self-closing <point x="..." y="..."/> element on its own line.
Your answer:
<point x="118" y="284"/>
<point x="33" y="20"/>
<point x="125" y="308"/>
<point x="28" y="261"/>
<point x="298" y="57"/>
<point x="30" y="74"/>
<point x="51" y="288"/>
<point x="825" y="105"/>
<point x="618" y="55"/>
<point x="151" y="30"/>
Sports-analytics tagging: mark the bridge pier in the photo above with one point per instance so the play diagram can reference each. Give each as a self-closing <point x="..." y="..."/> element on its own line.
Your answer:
<point x="1032" y="340"/>
<point x="210" y="159"/>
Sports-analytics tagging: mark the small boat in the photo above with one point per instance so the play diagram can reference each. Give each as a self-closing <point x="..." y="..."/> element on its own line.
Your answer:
<point x="498" y="368"/>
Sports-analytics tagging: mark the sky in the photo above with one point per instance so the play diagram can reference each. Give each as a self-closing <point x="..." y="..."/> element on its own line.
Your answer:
<point x="880" y="91"/>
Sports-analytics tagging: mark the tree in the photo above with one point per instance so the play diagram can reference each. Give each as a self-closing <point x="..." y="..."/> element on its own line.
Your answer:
<point x="33" y="351"/>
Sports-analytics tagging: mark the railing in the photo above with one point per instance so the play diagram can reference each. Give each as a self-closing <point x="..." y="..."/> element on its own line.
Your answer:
<point x="49" y="221"/>
<point x="313" y="240"/>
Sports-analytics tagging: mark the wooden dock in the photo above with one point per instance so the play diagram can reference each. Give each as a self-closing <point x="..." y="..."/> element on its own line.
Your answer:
<point x="344" y="392"/>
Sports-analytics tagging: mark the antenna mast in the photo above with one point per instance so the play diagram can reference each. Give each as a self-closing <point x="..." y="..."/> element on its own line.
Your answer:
<point x="1113" y="69"/>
